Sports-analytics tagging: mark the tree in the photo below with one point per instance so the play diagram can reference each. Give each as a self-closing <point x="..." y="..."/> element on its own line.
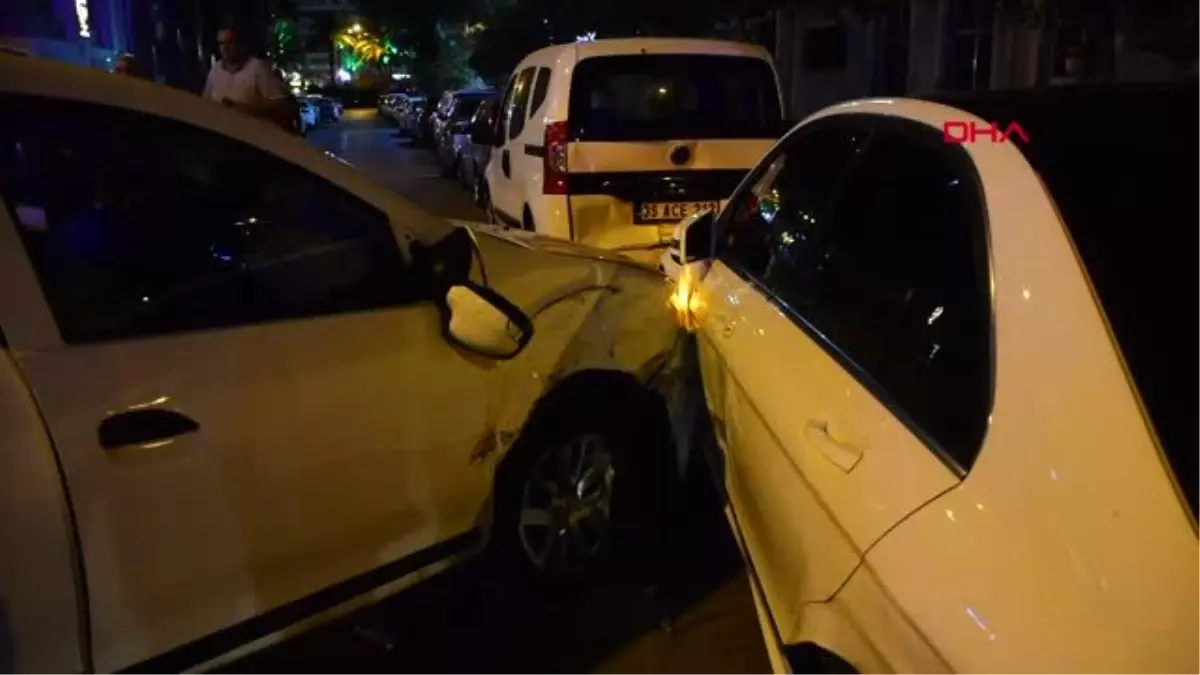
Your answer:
<point x="285" y="48"/>
<point x="421" y="26"/>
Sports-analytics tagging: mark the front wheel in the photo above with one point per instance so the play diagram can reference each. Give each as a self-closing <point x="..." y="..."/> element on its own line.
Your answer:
<point x="578" y="498"/>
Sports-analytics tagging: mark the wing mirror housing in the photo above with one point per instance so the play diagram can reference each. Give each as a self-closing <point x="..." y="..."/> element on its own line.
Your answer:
<point x="695" y="235"/>
<point x="691" y="243"/>
<point x="482" y="321"/>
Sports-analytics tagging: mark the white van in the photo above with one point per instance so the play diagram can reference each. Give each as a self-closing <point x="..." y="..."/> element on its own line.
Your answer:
<point x="612" y="142"/>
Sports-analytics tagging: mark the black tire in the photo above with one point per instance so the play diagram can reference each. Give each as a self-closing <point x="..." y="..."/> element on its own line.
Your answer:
<point x="638" y="442"/>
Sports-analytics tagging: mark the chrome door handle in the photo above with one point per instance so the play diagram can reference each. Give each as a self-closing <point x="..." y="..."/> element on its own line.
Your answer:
<point x="146" y="428"/>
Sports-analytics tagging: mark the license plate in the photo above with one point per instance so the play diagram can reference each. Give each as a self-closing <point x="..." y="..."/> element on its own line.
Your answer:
<point x="658" y="212"/>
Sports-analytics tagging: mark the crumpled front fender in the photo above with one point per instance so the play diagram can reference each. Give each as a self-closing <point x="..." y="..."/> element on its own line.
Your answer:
<point x="619" y="321"/>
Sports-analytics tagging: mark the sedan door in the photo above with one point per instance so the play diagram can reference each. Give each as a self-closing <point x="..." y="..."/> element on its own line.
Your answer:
<point x="244" y="379"/>
<point x="847" y="289"/>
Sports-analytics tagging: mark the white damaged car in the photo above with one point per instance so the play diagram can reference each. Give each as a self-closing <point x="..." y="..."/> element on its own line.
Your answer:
<point x="242" y="385"/>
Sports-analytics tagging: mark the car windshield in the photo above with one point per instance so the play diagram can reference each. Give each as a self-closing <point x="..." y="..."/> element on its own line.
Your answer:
<point x="1120" y="163"/>
<point x="644" y="97"/>
<point x="466" y="106"/>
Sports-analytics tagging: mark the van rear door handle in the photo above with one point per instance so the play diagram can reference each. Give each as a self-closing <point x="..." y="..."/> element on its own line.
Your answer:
<point x="143" y="428"/>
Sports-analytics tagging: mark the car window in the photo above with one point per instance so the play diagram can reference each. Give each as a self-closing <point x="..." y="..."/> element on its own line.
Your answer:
<point x="540" y="87"/>
<point x="647" y="97"/>
<point x="520" y="97"/>
<point x="878" y="252"/>
<point x="137" y="225"/>
<point x="502" y="109"/>
<point x="486" y="113"/>
<point x="903" y="285"/>
<point x="465" y="107"/>
<point x="790" y="192"/>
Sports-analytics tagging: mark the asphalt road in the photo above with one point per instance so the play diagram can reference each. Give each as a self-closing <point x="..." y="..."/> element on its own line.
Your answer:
<point x="695" y="616"/>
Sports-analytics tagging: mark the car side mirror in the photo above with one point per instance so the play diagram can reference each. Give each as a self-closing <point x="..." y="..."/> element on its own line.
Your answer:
<point x="482" y="321"/>
<point x="694" y="234"/>
<point x="691" y="243"/>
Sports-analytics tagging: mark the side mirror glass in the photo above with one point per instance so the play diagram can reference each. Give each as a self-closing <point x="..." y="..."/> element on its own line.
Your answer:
<point x="481" y="320"/>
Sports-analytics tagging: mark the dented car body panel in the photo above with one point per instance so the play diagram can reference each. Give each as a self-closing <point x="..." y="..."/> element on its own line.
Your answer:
<point x="592" y="310"/>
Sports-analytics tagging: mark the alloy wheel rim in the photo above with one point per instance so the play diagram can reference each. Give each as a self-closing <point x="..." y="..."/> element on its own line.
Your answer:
<point x="566" y="504"/>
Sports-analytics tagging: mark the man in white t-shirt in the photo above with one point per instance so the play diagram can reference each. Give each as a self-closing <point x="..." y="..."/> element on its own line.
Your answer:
<point x="245" y="82"/>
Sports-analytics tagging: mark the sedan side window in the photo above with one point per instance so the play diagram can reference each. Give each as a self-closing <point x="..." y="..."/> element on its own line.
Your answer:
<point x="137" y="226"/>
<point x="785" y="208"/>
<point x="875" y="245"/>
<point x="902" y="286"/>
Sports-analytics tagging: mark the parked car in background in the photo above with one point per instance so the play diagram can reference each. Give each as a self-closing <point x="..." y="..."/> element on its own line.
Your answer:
<point x="310" y="115"/>
<point x="411" y="109"/>
<point x="330" y="109"/>
<point x="422" y="130"/>
<point x="953" y="386"/>
<point x="242" y="385"/>
<point x="613" y="142"/>
<point x="451" y="132"/>
<point x="388" y="107"/>
<point x="475" y="156"/>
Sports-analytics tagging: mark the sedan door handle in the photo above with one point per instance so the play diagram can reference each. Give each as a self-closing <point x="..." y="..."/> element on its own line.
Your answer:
<point x="842" y="454"/>
<point x="144" y="427"/>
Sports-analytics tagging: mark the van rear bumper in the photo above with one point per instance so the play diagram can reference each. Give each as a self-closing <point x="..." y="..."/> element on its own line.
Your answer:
<point x="602" y="205"/>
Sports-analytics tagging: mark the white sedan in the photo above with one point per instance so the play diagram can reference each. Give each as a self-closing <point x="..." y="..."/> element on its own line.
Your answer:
<point x="953" y="386"/>
<point x="242" y="386"/>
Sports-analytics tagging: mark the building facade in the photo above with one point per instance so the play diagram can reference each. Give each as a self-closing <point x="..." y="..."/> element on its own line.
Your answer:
<point x="316" y="22"/>
<point x="922" y="46"/>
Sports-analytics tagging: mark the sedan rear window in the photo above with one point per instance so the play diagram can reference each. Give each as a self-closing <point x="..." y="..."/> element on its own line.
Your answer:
<point x="1120" y="163"/>
<point x="650" y="97"/>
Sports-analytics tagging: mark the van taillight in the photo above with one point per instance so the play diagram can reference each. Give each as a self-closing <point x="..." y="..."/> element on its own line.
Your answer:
<point x="554" y="179"/>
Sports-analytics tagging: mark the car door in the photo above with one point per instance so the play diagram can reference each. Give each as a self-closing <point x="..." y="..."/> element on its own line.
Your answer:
<point x="505" y="183"/>
<point x="850" y="284"/>
<point x="243" y="377"/>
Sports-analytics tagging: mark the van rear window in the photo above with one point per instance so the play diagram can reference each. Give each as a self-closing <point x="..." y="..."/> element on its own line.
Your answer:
<point x="650" y="97"/>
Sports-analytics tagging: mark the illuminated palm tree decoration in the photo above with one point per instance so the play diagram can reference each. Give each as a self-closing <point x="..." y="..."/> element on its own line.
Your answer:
<point x="365" y="47"/>
<point x="286" y="50"/>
